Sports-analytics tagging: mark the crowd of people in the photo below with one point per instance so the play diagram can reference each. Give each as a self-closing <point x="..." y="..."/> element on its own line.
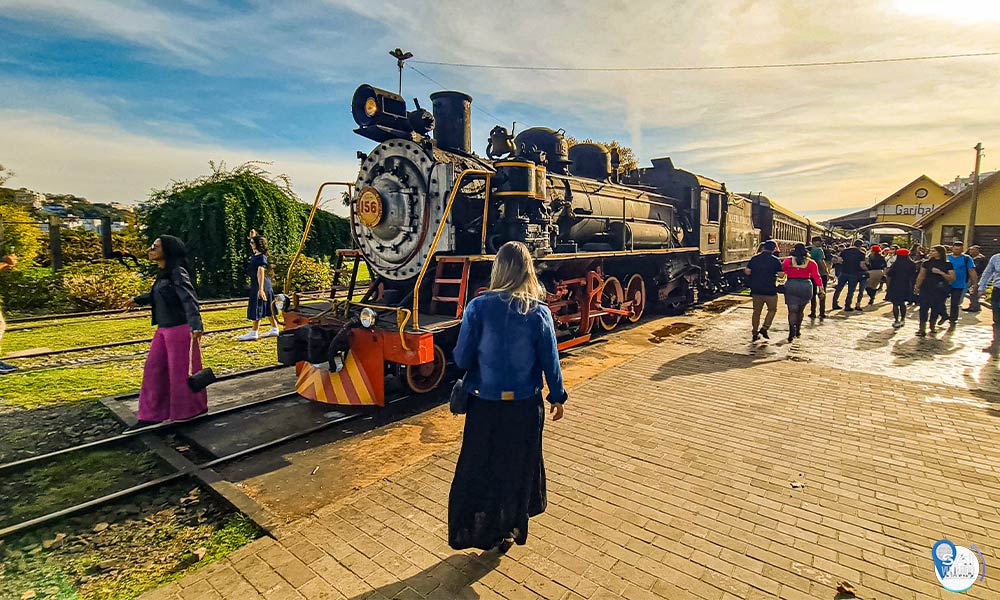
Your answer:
<point x="936" y="280"/>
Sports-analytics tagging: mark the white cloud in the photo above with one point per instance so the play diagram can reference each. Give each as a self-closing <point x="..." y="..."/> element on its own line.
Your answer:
<point x="104" y="163"/>
<point x="814" y="139"/>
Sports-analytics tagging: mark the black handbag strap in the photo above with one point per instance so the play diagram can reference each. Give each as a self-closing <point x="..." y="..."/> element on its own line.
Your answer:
<point x="191" y="356"/>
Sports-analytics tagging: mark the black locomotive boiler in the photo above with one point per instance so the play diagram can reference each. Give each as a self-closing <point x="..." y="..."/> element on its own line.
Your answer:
<point x="427" y="215"/>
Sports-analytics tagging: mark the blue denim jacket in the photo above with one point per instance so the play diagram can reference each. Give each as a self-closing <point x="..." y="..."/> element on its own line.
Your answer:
<point x="505" y="352"/>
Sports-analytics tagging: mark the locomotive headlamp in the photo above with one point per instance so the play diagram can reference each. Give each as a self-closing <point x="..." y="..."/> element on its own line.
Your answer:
<point x="367" y="318"/>
<point x="374" y="107"/>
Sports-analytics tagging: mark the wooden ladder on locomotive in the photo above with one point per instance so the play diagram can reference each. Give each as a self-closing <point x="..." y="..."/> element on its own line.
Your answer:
<point x="455" y="282"/>
<point x="353" y="256"/>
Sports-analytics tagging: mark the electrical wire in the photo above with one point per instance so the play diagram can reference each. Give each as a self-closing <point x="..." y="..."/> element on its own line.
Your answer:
<point x="829" y="63"/>
<point x="443" y="86"/>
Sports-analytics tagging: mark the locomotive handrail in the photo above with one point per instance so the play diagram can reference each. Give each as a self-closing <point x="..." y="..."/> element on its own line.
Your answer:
<point x="305" y="233"/>
<point x="437" y="235"/>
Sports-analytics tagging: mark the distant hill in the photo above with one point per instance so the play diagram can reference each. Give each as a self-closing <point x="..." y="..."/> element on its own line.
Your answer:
<point x="74" y="205"/>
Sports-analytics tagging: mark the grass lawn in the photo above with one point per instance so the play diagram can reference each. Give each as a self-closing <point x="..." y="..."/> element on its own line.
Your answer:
<point x="76" y="383"/>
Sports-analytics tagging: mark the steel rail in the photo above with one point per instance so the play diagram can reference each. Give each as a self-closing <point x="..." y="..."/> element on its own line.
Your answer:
<point x="108" y="345"/>
<point x="214" y="305"/>
<point x="12" y="529"/>
<point x="137" y="432"/>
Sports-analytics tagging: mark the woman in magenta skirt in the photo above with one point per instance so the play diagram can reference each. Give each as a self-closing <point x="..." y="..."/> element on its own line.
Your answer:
<point x="174" y="353"/>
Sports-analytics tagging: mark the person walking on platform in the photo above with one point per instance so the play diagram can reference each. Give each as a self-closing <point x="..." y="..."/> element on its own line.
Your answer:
<point x="965" y="278"/>
<point x="979" y="259"/>
<point x="818" y="255"/>
<point x="875" y="265"/>
<point x="261" y="302"/>
<point x="802" y="274"/>
<point x="174" y="353"/>
<point x="506" y="343"/>
<point x="7" y="262"/>
<point x="933" y="282"/>
<point x="900" y="276"/>
<point x="763" y="271"/>
<point x="837" y="262"/>
<point x="991" y="276"/>
<point x="851" y="271"/>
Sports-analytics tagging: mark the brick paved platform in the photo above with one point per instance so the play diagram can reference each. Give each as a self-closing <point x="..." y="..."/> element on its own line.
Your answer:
<point x="705" y="468"/>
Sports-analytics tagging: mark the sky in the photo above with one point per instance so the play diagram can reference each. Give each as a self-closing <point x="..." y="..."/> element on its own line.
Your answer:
<point x="110" y="100"/>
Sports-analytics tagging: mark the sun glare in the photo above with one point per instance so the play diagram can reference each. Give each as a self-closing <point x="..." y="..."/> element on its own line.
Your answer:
<point x="962" y="11"/>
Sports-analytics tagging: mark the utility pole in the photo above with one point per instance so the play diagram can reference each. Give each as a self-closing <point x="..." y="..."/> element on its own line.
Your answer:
<point x="401" y="57"/>
<point x="969" y="236"/>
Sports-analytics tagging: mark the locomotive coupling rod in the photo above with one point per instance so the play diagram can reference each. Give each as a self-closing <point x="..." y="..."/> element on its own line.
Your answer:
<point x="309" y="222"/>
<point x="437" y="235"/>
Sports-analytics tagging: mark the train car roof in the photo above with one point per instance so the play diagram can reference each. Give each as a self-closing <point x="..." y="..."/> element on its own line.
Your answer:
<point x="761" y="198"/>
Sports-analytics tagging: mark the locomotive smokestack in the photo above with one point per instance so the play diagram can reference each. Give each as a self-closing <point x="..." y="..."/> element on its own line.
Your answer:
<point x="453" y="121"/>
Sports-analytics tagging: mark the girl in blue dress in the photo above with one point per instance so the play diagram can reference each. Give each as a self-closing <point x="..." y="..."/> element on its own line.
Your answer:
<point x="261" y="302"/>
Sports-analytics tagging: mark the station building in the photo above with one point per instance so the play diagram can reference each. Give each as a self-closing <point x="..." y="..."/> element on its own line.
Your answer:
<point x="913" y="201"/>
<point x="947" y="222"/>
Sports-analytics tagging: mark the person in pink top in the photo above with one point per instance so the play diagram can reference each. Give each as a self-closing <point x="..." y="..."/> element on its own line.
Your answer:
<point x="803" y="273"/>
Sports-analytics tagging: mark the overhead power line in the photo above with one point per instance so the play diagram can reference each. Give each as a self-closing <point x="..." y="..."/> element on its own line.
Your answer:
<point x="443" y="86"/>
<point x="829" y="63"/>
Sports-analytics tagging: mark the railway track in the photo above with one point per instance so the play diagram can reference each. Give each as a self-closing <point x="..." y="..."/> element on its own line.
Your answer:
<point x="43" y="321"/>
<point x="161" y="431"/>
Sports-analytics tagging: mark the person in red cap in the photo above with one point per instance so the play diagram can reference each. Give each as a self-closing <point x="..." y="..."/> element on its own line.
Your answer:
<point x="876" y="269"/>
<point x="900" y="276"/>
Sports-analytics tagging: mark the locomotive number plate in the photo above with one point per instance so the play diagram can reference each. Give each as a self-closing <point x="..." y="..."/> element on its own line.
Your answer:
<point x="369" y="207"/>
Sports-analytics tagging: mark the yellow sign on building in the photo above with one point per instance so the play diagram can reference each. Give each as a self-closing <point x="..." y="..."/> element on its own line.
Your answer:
<point x="913" y="201"/>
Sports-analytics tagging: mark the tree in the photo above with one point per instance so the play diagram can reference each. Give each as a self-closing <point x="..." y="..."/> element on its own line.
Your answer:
<point x="21" y="234"/>
<point x="213" y="215"/>
<point x="628" y="160"/>
<point x="5" y="174"/>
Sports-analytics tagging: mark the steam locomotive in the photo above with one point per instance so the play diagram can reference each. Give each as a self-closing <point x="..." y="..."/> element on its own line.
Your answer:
<point x="427" y="215"/>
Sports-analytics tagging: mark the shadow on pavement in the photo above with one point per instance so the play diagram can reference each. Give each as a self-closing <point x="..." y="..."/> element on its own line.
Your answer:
<point x="450" y="578"/>
<point x="708" y="362"/>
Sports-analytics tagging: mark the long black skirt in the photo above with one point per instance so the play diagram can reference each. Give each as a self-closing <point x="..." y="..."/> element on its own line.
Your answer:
<point x="500" y="477"/>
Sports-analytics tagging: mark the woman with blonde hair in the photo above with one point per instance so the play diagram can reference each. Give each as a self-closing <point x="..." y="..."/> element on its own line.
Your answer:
<point x="506" y="343"/>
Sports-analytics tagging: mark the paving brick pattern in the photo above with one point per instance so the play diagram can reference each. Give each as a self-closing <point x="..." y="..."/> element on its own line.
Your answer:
<point x="695" y="470"/>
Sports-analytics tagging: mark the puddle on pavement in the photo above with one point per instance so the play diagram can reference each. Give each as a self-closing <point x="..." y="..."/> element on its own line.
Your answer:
<point x="720" y="306"/>
<point x="670" y="330"/>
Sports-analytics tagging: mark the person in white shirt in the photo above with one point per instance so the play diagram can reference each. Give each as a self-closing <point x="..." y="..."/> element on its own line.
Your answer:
<point x="991" y="275"/>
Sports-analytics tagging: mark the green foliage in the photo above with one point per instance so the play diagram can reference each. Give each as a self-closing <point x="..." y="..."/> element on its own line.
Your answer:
<point x="328" y="233"/>
<point x="103" y="285"/>
<point x="33" y="289"/>
<point x="99" y="286"/>
<point x="20" y="234"/>
<point x="77" y="246"/>
<point x="214" y="214"/>
<point x="308" y="275"/>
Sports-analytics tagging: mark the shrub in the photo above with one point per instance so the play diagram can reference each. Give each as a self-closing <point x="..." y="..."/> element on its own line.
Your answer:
<point x="77" y="246"/>
<point x="308" y="275"/>
<point x="214" y="214"/>
<point x="103" y="285"/>
<point x="20" y="234"/>
<point x="34" y="290"/>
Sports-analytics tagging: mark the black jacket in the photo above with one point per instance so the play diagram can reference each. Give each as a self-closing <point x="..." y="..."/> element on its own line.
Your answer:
<point x="174" y="301"/>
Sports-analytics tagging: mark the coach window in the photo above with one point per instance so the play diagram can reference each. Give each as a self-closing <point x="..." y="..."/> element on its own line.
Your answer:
<point x="714" y="205"/>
